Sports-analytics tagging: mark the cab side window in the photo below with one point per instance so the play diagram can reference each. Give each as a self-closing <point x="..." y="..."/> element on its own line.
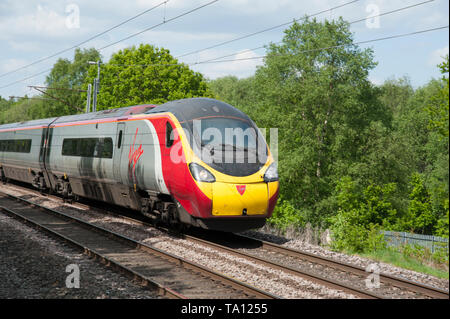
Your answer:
<point x="119" y="143"/>
<point x="169" y="135"/>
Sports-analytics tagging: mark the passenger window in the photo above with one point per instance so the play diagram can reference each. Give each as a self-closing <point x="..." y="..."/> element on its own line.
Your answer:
<point x="88" y="147"/>
<point x="18" y="146"/>
<point x="169" y="135"/>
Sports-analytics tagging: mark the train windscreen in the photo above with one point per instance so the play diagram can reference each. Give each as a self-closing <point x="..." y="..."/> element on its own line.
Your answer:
<point x="231" y="145"/>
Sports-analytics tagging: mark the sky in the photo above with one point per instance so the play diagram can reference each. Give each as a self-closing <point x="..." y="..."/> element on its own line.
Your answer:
<point x="31" y="31"/>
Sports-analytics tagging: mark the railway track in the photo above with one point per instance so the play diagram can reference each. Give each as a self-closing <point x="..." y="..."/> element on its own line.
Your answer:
<point x="415" y="287"/>
<point x="267" y="252"/>
<point x="298" y="263"/>
<point x="169" y="275"/>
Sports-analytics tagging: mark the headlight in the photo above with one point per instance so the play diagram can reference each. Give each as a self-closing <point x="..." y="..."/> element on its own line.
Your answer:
<point x="271" y="174"/>
<point x="201" y="174"/>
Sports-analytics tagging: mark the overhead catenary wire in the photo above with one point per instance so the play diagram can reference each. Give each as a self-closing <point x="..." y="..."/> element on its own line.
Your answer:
<point x="27" y="78"/>
<point x="330" y="47"/>
<point x="29" y="97"/>
<point x="299" y="19"/>
<point x="85" y="41"/>
<point x="50" y="88"/>
<point x="123" y="39"/>
<point x="286" y="54"/>
<point x="267" y="29"/>
<point x="159" y="24"/>
<point x="216" y="60"/>
<point x="233" y="40"/>
<point x="263" y="46"/>
<point x="155" y="26"/>
<point x="350" y="23"/>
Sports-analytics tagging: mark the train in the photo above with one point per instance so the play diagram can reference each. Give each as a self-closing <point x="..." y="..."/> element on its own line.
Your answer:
<point x="191" y="162"/>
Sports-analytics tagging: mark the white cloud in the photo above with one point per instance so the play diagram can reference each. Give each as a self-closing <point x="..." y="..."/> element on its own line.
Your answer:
<point x="44" y="21"/>
<point x="239" y="7"/>
<point x="29" y="32"/>
<point x="436" y="57"/>
<point x="108" y="52"/>
<point x="188" y="36"/>
<point x="11" y="64"/>
<point x="375" y="81"/>
<point x="244" y="64"/>
<point x="25" y="46"/>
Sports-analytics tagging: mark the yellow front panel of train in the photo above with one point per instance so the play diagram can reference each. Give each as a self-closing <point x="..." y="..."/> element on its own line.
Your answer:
<point x="231" y="199"/>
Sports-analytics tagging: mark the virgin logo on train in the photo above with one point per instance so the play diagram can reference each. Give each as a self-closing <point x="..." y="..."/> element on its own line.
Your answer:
<point x="240" y="189"/>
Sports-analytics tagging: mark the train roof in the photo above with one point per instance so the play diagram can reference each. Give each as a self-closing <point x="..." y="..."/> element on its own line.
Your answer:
<point x="184" y="110"/>
<point x="41" y="122"/>
<point x="110" y="113"/>
<point x="194" y="108"/>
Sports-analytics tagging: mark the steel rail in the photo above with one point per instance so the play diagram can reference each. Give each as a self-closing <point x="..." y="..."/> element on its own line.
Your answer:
<point x="321" y="280"/>
<point x="307" y="275"/>
<point x="414" y="286"/>
<point x="224" y="279"/>
<point x="410" y="285"/>
<point x="144" y="281"/>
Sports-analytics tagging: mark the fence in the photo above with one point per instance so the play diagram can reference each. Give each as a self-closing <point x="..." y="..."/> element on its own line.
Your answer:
<point x="402" y="238"/>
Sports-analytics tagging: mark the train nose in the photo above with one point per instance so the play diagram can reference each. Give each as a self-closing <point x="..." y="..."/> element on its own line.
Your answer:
<point x="230" y="199"/>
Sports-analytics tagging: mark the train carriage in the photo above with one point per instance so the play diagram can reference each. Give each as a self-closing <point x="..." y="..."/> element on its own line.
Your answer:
<point x="21" y="146"/>
<point x="171" y="162"/>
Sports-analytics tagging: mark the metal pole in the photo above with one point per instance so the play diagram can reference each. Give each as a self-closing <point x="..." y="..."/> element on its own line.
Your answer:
<point x="96" y="86"/>
<point x="94" y="101"/>
<point x="98" y="75"/>
<point x="88" y="101"/>
<point x="98" y="83"/>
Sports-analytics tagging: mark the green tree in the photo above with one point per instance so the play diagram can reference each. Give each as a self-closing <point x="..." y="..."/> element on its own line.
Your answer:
<point x="361" y="214"/>
<point x="321" y="100"/>
<point x="442" y="227"/>
<point x="145" y="75"/>
<point x="22" y="110"/>
<point x="420" y="217"/>
<point x="395" y="94"/>
<point x="237" y="92"/>
<point x="439" y="104"/>
<point x="67" y="74"/>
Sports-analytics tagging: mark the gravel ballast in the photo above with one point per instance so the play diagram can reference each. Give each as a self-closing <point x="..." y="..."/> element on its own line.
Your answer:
<point x="280" y="284"/>
<point x="384" y="268"/>
<point x="33" y="265"/>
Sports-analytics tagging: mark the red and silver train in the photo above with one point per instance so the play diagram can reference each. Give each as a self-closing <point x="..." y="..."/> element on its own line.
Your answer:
<point x="198" y="162"/>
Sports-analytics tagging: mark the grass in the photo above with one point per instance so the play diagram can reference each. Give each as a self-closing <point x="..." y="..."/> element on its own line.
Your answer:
<point x="412" y="258"/>
<point x="397" y="258"/>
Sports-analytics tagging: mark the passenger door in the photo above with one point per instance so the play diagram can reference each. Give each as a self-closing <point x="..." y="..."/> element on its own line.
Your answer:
<point x="118" y="147"/>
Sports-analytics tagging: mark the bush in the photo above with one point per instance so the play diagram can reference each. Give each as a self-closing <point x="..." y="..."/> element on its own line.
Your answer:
<point x="356" y="226"/>
<point x="424" y="254"/>
<point x="349" y="235"/>
<point x="420" y="218"/>
<point x="285" y="214"/>
<point x="442" y="224"/>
